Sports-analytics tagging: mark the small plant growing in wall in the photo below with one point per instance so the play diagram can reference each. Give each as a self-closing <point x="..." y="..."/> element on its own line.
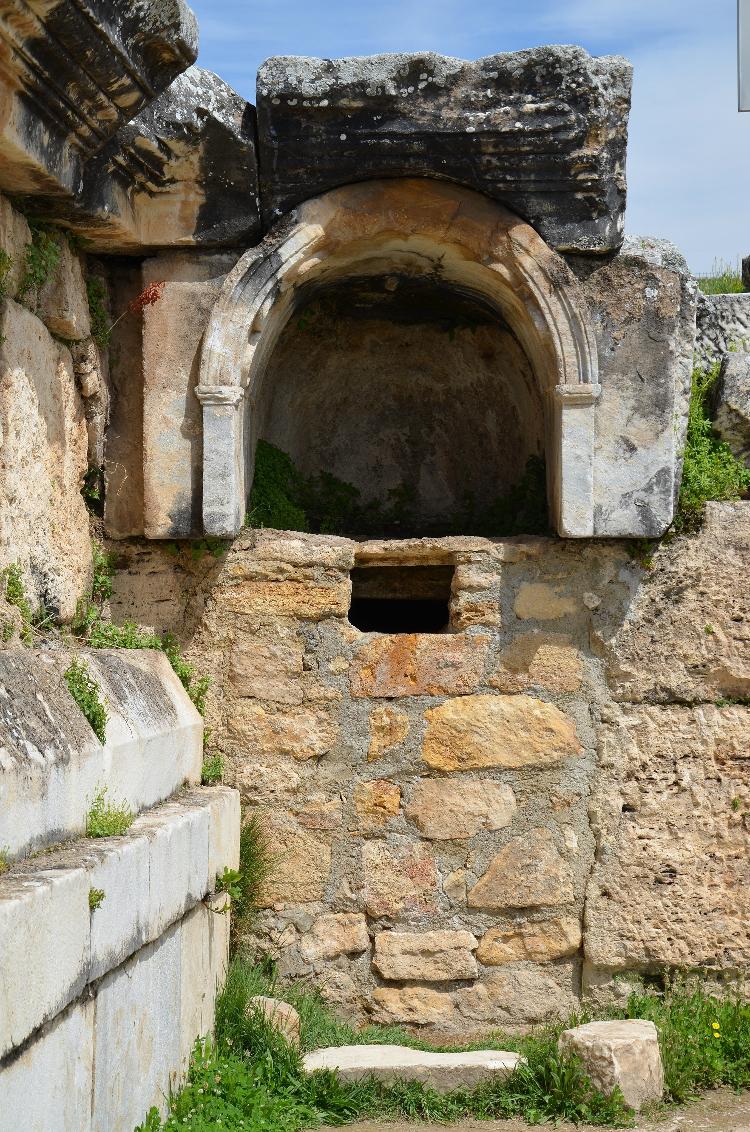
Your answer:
<point x="15" y="595"/>
<point x="107" y="819"/>
<point x="42" y="258"/>
<point x="213" y="770"/>
<point x="4" y="863"/>
<point x="96" y="898"/>
<point x="96" y="291"/>
<point x="84" y="690"/>
<point x="6" y="264"/>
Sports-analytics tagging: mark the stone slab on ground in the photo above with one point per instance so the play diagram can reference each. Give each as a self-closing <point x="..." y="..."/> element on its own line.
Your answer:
<point x="719" y="1111"/>
<point x="440" y="1071"/>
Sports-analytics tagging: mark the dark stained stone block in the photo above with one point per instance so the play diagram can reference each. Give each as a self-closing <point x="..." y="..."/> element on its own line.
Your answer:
<point x="544" y="131"/>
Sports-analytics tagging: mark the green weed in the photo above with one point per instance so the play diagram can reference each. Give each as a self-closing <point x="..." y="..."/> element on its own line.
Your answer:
<point x="213" y="770"/>
<point x="106" y="819"/>
<point x="4" y="862"/>
<point x="710" y="471"/>
<point x="92" y="488"/>
<point x="42" y="258"/>
<point x="84" y="690"/>
<point x="16" y="595"/>
<point x="96" y="898"/>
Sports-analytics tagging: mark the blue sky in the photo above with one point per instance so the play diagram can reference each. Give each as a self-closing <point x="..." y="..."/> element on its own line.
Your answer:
<point x="689" y="153"/>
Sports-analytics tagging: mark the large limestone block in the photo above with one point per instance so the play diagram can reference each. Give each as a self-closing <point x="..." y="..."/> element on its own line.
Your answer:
<point x="192" y="176"/>
<point x="45" y="943"/>
<point x="429" y="957"/>
<point x="642" y="305"/>
<point x="442" y="1072"/>
<point x="398" y="878"/>
<point x="497" y="731"/>
<point x="271" y="602"/>
<point x="48" y="1087"/>
<point x="301" y="864"/>
<point x="44" y="524"/>
<point x="731" y="402"/>
<point x="418" y="664"/>
<point x="62" y="303"/>
<point x="57" y="112"/>
<point x="447" y="811"/>
<point x="623" y="1054"/>
<point x="671" y="883"/>
<point x="267" y="670"/>
<point x="388" y="728"/>
<point x="528" y="872"/>
<point x="685" y="638"/>
<point x="137" y="1036"/>
<point x="543" y="660"/>
<point x="375" y="803"/>
<point x="540" y="942"/>
<point x="325" y="122"/>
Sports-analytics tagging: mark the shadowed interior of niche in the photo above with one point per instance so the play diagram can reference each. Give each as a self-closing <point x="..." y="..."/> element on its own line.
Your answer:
<point x="401" y="599"/>
<point x="413" y="394"/>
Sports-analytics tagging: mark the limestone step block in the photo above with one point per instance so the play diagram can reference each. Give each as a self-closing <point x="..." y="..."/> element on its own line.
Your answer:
<point x="281" y="1015"/>
<point x="53" y="764"/>
<point x="623" y="1053"/>
<point x="442" y="1072"/>
<point x="472" y="732"/>
<point x="731" y="403"/>
<point x="543" y="130"/>
<point x="429" y="957"/>
<point x="53" y="945"/>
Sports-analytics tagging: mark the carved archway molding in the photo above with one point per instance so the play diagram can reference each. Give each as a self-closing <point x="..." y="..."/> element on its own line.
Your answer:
<point x="430" y="228"/>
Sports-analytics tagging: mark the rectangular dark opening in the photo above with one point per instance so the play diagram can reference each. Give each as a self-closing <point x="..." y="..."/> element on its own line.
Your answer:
<point x="401" y="599"/>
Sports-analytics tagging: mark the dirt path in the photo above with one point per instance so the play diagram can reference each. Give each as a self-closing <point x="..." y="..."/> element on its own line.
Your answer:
<point x="721" y="1111"/>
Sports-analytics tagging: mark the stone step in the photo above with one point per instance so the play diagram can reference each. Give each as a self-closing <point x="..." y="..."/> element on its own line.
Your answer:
<point x="53" y="945"/>
<point x="442" y="1072"/>
<point x="51" y="762"/>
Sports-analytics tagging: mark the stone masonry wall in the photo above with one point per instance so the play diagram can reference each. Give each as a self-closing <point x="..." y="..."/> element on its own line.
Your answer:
<point x="474" y="828"/>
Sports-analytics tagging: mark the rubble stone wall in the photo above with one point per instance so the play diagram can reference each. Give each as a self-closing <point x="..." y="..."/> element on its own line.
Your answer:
<point x="477" y="827"/>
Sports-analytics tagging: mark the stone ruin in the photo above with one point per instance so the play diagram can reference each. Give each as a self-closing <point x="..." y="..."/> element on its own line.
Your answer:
<point x="497" y="773"/>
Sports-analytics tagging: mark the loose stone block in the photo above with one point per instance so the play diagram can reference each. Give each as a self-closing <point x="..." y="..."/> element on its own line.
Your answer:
<point x="445" y="811"/>
<point x="442" y="1072"/>
<point x="399" y="877"/>
<point x="428" y="957"/>
<point x="279" y="1014"/>
<point x="418" y="665"/>
<point x="388" y="728"/>
<point x="338" y="933"/>
<point x="427" y="115"/>
<point x="527" y="873"/>
<point x="623" y="1053"/>
<point x="502" y="731"/>
<point x="537" y="942"/>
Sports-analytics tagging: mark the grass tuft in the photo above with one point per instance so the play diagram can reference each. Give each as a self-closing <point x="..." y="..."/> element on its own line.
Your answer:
<point x="16" y="595"/>
<point x="725" y="279"/>
<point x="106" y="819"/>
<point x="213" y="770"/>
<point x="42" y="258"/>
<point x="96" y="898"/>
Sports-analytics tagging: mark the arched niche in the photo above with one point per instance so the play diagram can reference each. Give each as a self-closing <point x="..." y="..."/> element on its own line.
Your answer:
<point x="421" y="230"/>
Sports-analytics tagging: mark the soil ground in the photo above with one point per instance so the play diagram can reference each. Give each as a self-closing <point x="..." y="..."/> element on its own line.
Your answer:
<point x="722" y="1111"/>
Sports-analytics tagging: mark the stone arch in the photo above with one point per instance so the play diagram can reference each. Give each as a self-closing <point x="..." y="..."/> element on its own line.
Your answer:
<point x="420" y="226"/>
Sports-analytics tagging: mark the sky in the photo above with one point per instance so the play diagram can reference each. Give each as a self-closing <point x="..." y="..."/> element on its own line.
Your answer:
<point x="689" y="149"/>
